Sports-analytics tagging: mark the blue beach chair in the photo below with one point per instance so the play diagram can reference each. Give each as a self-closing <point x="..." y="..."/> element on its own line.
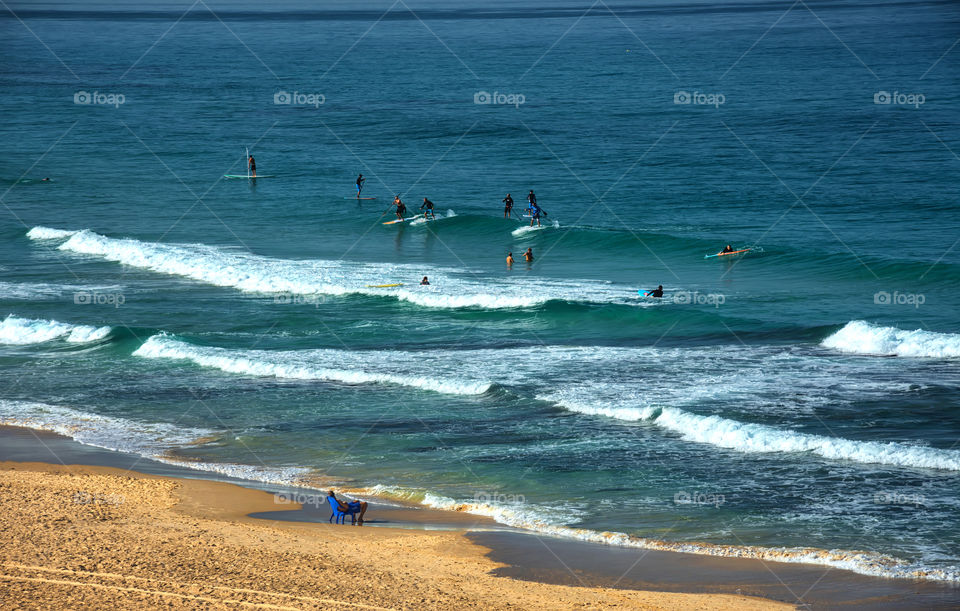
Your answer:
<point x="340" y="515"/>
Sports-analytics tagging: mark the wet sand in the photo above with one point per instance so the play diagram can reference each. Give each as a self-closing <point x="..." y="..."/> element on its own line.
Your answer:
<point x="403" y="558"/>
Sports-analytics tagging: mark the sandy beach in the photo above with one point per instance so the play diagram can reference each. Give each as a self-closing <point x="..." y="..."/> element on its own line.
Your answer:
<point x="96" y="537"/>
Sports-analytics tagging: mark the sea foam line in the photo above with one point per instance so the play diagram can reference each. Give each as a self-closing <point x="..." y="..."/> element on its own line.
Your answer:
<point x="861" y="337"/>
<point x="760" y="438"/>
<point x="26" y="331"/>
<point x="258" y="274"/>
<point x="531" y="517"/>
<point x="303" y="365"/>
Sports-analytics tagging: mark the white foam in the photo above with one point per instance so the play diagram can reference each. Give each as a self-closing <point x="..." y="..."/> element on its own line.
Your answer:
<point x="528" y="229"/>
<point x="551" y="521"/>
<point x="150" y="440"/>
<point x="450" y="288"/>
<point x="47" y="233"/>
<point x="760" y="438"/>
<point x="25" y="331"/>
<point x="860" y="337"/>
<point x="351" y="367"/>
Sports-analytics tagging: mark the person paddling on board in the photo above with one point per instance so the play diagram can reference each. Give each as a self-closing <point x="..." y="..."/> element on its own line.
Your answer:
<point x="657" y="292"/>
<point x="509" y="259"/>
<point x="528" y="255"/>
<point x="535" y="212"/>
<point x="531" y="202"/>
<point x="400" y="207"/>
<point x="727" y="248"/>
<point x="252" y="166"/>
<point x="429" y="206"/>
<point x="507" y="206"/>
<point x="360" y="180"/>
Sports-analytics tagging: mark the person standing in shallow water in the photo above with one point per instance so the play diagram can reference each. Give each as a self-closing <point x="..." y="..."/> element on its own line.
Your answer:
<point x="509" y="259"/>
<point x="528" y="255"/>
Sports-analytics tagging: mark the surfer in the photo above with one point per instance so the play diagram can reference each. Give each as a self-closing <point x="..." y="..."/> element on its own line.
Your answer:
<point x="657" y="292"/>
<point x="531" y="202"/>
<point x="507" y="206"/>
<point x="528" y="255"/>
<point x="424" y="282"/>
<point x="360" y="180"/>
<point x="400" y="207"/>
<point x="535" y="212"/>
<point x="727" y="248"/>
<point x="509" y="259"/>
<point x="45" y="180"/>
<point x="429" y="206"/>
<point x="251" y="166"/>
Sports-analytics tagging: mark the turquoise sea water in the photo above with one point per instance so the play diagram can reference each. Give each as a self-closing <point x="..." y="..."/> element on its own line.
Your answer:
<point x="805" y="396"/>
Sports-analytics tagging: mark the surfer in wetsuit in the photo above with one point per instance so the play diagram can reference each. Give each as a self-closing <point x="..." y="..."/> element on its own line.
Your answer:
<point x="252" y="165"/>
<point x="424" y="282"/>
<point x="400" y="207"/>
<point x="727" y="248"/>
<point x="360" y="180"/>
<point x="531" y="201"/>
<point x="657" y="292"/>
<point x="429" y="206"/>
<point x="528" y="255"/>
<point x="507" y="206"/>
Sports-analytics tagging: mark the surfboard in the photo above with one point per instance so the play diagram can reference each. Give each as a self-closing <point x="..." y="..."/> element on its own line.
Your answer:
<point x="383" y="286"/>
<point x="359" y="198"/>
<point x="402" y="220"/>
<point x="733" y="252"/>
<point x="249" y="177"/>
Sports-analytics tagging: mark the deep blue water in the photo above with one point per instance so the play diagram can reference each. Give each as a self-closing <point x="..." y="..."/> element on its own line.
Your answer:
<point x="803" y="395"/>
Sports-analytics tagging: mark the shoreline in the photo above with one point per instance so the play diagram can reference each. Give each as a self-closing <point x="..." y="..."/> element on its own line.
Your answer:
<point x="510" y="553"/>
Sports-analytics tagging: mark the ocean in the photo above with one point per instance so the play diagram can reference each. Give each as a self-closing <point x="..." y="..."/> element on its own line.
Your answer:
<point x="799" y="402"/>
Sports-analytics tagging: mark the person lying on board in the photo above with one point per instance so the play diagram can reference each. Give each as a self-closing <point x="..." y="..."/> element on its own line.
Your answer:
<point x="352" y="508"/>
<point x="727" y="248"/>
<point x="657" y="292"/>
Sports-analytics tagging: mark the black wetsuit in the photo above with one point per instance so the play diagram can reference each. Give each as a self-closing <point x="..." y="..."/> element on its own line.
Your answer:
<point x="507" y="205"/>
<point x="655" y="293"/>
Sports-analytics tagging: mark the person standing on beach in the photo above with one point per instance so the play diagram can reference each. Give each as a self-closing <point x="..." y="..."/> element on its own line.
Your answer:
<point x="360" y="180"/>
<point x="507" y="206"/>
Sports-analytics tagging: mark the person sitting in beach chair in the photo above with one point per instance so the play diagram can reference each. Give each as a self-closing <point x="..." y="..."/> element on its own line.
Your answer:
<point x="341" y="509"/>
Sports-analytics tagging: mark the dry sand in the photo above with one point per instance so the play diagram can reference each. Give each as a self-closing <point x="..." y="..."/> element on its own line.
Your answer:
<point x="99" y="538"/>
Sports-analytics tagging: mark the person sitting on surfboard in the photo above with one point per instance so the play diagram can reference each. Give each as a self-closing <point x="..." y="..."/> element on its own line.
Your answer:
<point x="400" y="207"/>
<point x="507" y="206"/>
<point x="657" y="292"/>
<point x="360" y="180"/>
<point x="528" y="255"/>
<point x="429" y="206"/>
<point x="727" y="248"/>
<point x="424" y="282"/>
<point x="252" y="165"/>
